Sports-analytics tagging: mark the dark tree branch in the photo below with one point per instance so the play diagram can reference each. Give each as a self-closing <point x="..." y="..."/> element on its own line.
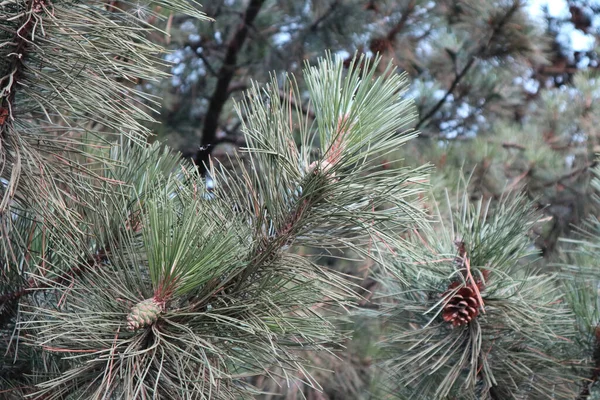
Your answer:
<point x="207" y="64"/>
<point x="472" y="61"/>
<point x="315" y="25"/>
<point x="217" y="10"/>
<point x="230" y="137"/>
<point x="381" y="44"/>
<point x="403" y="20"/>
<point x="237" y="87"/>
<point x="268" y="43"/>
<point x="511" y="145"/>
<point x="571" y="174"/>
<point x="450" y="90"/>
<point x="221" y="93"/>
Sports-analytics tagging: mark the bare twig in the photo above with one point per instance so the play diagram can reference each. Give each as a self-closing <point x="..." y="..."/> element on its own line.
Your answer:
<point x="268" y="43"/>
<point x="403" y="20"/>
<point x="571" y="174"/>
<point x="207" y="64"/>
<point x="510" y="145"/>
<point x="472" y="61"/>
<point x="450" y="90"/>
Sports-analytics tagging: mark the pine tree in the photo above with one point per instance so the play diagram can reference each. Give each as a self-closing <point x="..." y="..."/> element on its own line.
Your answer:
<point x="128" y="273"/>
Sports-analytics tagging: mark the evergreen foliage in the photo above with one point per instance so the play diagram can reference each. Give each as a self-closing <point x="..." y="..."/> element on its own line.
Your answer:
<point x="129" y="272"/>
<point x="521" y="342"/>
<point x="153" y="286"/>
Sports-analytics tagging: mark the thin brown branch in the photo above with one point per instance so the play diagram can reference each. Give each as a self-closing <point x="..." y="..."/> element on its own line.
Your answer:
<point x="588" y="383"/>
<point x="289" y="227"/>
<point x="450" y="90"/>
<point x="33" y="284"/>
<point x="399" y="27"/>
<point x="207" y="64"/>
<point x="472" y="61"/>
<point x="367" y="288"/>
<point x="232" y="138"/>
<point x="505" y="145"/>
<point x="237" y="87"/>
<point x="510" y="145"/>
<point x="382" y="44"/>
<point x="571" y="174"/>
<point x="217" y="10"/>
<point x="225" y="75"/>
<point x="267" y="42"/>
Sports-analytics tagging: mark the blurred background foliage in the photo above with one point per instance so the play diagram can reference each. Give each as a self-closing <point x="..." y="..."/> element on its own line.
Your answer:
<point x="506" y="92"/>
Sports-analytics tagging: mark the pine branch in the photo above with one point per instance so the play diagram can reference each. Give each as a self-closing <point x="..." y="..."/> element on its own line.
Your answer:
<point x="202" y="281"/>
<point x="479" y="352"/>
<point x="8" y="300"/>
<point x="221" y="94"/>
<point x="72" y="93"/>
<point x="472" y="61"/>
<point x="267" y="248"/>
<point x="290" y="191"/>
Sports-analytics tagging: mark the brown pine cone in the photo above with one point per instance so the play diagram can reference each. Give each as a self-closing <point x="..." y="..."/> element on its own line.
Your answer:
<point x="462" y="307"/>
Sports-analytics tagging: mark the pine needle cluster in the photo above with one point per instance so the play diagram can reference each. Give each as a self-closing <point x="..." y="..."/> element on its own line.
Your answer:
<point x="519" y="341"/>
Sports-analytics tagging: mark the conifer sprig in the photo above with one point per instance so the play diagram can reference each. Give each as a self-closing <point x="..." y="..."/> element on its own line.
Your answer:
<point x="579" y="266"/>
<point x="196" y="289"/>
<point x="441" y="341"/>
<point x="320" y="200"/>
<point x="68" y="72"/>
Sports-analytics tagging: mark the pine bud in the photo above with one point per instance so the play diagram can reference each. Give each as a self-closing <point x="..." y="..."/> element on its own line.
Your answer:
<point x="144" y="314"/>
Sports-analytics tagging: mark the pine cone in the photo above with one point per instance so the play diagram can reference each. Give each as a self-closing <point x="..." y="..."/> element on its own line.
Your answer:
<point x="462" y="307"/>
<point x="144" y="313"/>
